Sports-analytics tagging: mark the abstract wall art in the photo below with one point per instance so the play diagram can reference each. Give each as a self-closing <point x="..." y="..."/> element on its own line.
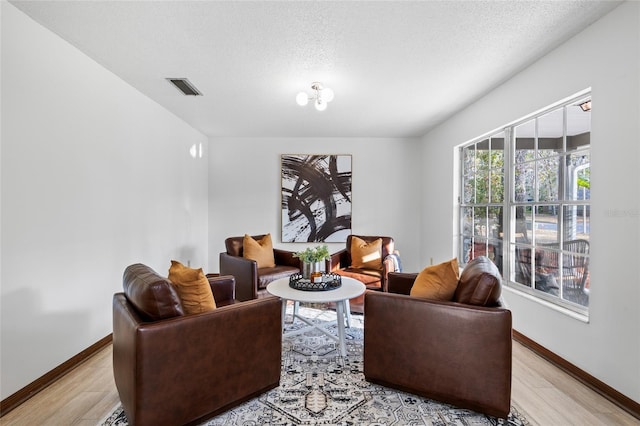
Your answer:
<point x="316" y="198"/>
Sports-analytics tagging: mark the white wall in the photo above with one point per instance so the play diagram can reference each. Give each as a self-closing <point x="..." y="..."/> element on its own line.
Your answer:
<point x="95" y="176"/>
<point x="606" y="57"/>
<point x="244" y="189"/>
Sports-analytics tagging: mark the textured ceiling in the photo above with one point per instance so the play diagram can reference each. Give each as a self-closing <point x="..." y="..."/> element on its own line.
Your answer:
<point x="397" y="68"/>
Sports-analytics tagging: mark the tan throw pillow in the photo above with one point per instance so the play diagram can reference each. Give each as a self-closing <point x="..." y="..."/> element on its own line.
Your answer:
<point x="261" y="251"/>
<point x="437" y="282"/>
<point x="366" y="255"/>
<point x="193" y="288"/>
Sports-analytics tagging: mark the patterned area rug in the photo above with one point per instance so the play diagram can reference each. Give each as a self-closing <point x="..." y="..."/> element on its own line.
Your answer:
<point x="319" y="387"/>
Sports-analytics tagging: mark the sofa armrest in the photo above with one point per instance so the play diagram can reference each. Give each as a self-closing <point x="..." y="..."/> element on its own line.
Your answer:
<point x="401" y="282"/>
<point x="284" y="257"/>
<point x="245" y="271"/>
<point x="223" y="288"/>
<point x="212" y="354"/>
<point x="454" y="353"/>
<point x="388" y="266"/>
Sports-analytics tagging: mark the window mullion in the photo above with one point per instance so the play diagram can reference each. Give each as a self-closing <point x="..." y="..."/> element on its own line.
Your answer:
<point x="508" y="214"/>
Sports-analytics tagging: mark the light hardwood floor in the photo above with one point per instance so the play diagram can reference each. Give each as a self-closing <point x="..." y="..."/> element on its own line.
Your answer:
<point x="545" y="395"/>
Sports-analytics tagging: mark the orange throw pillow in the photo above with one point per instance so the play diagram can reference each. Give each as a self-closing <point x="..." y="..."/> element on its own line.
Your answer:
<point x="193" y="288"/>
<point x="260" y="251"/>
<point x="437" y="282"/>
<point x="366" y="255"/>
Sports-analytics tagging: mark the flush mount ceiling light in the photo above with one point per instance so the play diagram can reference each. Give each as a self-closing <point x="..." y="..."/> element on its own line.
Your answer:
<point x="320" y="96"/>
<point x="586" y="105"/>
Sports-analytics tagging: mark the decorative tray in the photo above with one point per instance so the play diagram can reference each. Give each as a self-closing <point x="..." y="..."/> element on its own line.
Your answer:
<point x="329" y="281"/>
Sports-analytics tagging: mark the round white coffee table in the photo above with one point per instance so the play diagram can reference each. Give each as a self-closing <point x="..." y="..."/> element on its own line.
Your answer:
<point x="349" y="289"/>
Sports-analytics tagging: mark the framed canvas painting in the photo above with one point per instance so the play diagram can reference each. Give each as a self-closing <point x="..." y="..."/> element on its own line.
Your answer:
<point x="316" y="198"/>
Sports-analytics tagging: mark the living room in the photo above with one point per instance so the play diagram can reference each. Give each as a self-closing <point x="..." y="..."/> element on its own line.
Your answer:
<point x="96" y="176"/>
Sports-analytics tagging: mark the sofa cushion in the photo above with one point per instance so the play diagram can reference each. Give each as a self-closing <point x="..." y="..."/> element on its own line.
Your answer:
<point x="437" y="282"/>
<point x="366" y="254"/>
<point x="153" y="296"/>
<point x="268" y="275"/>
<point x="480" y="283"/>
<point x="368" y="277"/>
<point x="261" y="251"/>
<point x="193" y="287"/>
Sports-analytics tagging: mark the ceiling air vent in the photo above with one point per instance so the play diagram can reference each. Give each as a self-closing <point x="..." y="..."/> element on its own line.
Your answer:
<point x="185" y="86"/>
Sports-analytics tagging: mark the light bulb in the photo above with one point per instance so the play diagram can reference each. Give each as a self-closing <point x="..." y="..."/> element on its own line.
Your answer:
<point x="327" y="94"/>
<point x="320" y="105"/>
<point x="302" y="99"/>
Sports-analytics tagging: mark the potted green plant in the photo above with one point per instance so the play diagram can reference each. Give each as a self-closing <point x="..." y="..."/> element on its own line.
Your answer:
<point x="312" y="259"/>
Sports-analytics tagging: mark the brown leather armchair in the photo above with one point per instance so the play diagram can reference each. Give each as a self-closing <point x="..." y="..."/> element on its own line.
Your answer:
<point x="171" y="368"/>
<point x="373" y="279"/>
<point x="449" y="351"/>
<point x="251" y="281"/>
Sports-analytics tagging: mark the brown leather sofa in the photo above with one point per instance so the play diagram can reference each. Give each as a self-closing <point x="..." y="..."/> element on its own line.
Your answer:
<point x="251" y="281"/>
<point x="457" y="353"/>
<point x="174" y="369"/>
<point x="373" y="279"/>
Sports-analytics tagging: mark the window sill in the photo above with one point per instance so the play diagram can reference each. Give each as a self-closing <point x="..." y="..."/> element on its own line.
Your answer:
<point x="566" y="311"/>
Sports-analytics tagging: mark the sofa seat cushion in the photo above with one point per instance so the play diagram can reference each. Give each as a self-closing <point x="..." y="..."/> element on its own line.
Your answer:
<point x="368" y="277"/>
<point x="267" y="275"/>
<point x="480" y="283"/>
<point x="153" y="296"/>
<point x="193" y="288"/>
<point x="437" y="282"/>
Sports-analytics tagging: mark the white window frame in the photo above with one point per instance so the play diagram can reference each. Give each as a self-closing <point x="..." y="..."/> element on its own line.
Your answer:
<point x="508" y="204"/>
